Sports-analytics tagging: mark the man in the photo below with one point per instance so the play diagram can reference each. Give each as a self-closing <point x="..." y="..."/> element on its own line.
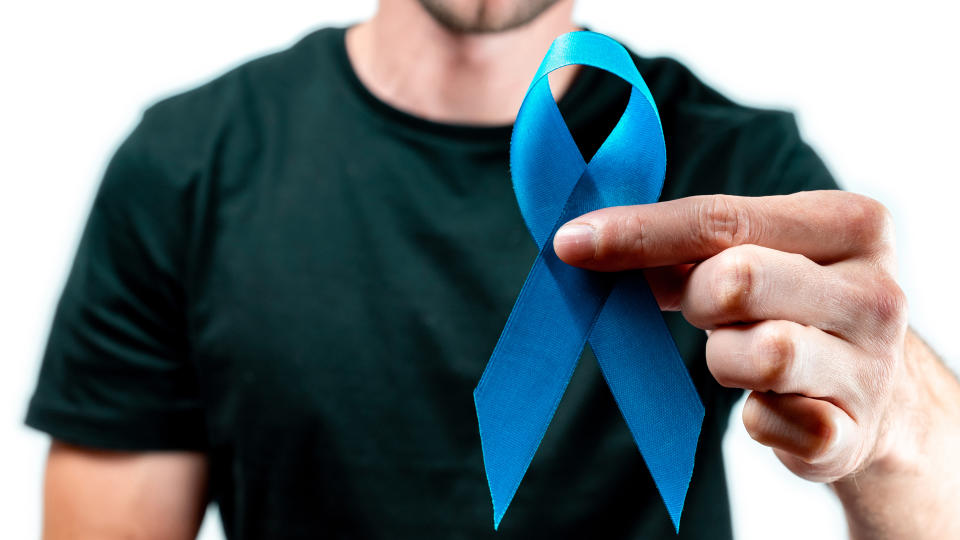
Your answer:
<point x="292" y="278"/>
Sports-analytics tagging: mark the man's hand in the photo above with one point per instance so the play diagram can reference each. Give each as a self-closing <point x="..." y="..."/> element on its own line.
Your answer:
<point x="799" y="297"/>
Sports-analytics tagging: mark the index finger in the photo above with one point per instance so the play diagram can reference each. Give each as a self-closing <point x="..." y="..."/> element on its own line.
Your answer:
<point x="824" y="226"/>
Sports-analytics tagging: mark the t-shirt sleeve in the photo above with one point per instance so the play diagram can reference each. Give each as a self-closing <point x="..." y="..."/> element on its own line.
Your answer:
<point x="117" y="372"/>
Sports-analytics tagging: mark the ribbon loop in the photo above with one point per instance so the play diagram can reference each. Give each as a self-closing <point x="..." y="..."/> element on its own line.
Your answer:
<point x="560" y="306"/>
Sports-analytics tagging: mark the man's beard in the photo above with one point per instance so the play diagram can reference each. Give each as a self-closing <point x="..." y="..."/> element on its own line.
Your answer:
<point x="478" y="16"/>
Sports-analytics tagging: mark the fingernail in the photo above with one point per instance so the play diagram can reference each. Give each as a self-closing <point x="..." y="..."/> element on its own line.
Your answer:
<point x="575" y="242"/>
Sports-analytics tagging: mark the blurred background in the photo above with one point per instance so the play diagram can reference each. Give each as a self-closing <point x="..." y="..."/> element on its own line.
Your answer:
<point x="874" y="85"/>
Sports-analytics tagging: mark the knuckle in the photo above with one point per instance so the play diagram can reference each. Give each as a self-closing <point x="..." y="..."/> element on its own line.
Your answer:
<point x="604" y="231"/>
<point x="869" y="220"/>
<point x="888" y="303"/>
<point x="774" y="355"/>
<point x="753" y="418"/>
<point x="824" y="433"/>
<point x="621" y="234"/>
<point x="734" y="281"/>
<point x="633" y="234"/>
<point x="815" y="438"/>
<point x="721" y="222"/>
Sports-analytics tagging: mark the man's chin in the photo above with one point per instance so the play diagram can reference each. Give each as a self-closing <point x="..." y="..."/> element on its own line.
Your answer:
<point x="484" y="16"/>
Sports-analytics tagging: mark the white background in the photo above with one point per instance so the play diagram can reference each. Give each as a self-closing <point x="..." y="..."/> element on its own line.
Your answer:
<point x="874" y="85"/>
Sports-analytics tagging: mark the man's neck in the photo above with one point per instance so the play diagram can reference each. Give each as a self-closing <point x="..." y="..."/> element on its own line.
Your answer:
<point x="408" y="60"/>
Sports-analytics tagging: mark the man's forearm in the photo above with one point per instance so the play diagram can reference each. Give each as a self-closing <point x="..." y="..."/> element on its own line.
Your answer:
<point x="912" y="490"/>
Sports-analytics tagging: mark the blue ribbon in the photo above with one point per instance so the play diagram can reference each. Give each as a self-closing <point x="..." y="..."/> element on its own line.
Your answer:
<point x="560" y="306"/>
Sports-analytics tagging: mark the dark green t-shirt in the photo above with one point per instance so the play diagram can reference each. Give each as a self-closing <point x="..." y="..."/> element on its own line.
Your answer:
<point x="286" y="273"/>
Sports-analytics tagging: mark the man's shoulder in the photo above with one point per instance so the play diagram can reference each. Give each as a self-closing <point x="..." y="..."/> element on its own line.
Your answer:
<point x="247" y="90"/>
<point x="717" y="145"/>
<point x="226" y="118"/>
<point x="684" y="96"/>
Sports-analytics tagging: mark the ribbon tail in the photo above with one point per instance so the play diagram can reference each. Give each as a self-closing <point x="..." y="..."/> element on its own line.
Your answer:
<point x="651" y="385"/>
<point x="530" y="368"/>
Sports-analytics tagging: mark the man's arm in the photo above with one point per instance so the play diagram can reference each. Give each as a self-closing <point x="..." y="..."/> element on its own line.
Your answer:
<point x="912" y="492"/>
<point x="800" y="301"/>
<point x="107" y="495"/>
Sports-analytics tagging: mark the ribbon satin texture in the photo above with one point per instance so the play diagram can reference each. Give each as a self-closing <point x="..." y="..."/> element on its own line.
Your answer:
<point x="561" y="306"/>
